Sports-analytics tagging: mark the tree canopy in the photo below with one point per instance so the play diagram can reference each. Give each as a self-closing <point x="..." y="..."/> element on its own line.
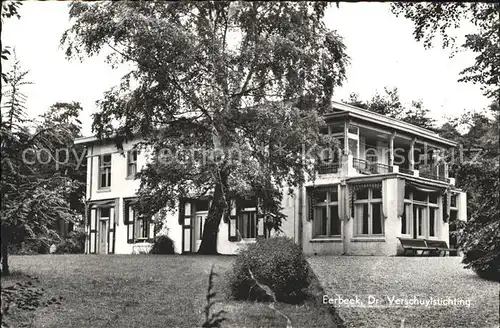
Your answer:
<point x="440" y="18"/>
<point x="220" y="77"/>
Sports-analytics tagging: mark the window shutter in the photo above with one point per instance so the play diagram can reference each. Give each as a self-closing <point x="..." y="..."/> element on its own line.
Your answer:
<point x="93" y="231"/>
<point x="232" y="235"/>
<point x="186" y="212"/>
<point x="130" y="224"/>
<point x="117" y="212"/>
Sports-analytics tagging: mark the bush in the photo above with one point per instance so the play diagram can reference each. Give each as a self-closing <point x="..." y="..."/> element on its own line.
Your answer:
<point x="74" y="244"/>
<point x="163" y="245"/>
<point x="29" y="247"/>
<point x="275" y="262"/>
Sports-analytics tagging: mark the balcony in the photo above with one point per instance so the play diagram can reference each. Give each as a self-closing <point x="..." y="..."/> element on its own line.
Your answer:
<point x="329" y="168"/>
<point x="365" y="167"/>
<point x="350" y="166"/>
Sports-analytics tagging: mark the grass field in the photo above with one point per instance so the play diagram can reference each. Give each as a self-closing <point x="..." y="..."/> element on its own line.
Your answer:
<point x="145" y="291"/>
<point x="408" y="278"/>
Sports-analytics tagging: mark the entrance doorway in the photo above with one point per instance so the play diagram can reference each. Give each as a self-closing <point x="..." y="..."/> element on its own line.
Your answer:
<point x="103" y="237"/>
<point x="199" y="223"/>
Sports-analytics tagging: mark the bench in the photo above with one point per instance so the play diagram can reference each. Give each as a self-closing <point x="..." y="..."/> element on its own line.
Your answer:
<point x="410" y="244"/>
<point x="439" y="246"/>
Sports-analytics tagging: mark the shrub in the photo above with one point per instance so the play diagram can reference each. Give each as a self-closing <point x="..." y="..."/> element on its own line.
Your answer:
<point x="163" y="245"/>
<point x="30" y="247"/>
<point x="74" y="244"/>
<point x="275" y="262"/>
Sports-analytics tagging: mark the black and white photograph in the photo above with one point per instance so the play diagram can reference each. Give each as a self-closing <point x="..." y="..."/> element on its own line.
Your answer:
<point x="250" y="164"/>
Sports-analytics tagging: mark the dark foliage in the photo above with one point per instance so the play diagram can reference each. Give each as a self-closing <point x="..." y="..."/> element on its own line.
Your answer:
<point x="163" y="245"/>
<point x="74" y="244"/>
<point x="277" y="263"/>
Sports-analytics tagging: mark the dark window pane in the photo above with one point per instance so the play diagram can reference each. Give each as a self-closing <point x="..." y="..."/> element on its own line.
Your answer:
<point x="202" y="205"/>
<point x="407" y="193"/>
<point x="335" y="221"/>
<point x="403" y="221"/>
<point x="432" y="221"/>
<point x="365" y="219"/>
<point x="337" y="128"/>
<point x="362" y="194"/>
<point x="376" y="219"/>
<point x="334" y="196"/>
<point x="105" y="211"/>
<point x="106" y="160"/>
<point x="353" y="129"/>
<point x="453" y="202"/>
<point x="320" y="196"/>
<point x="103" y="179"/>
<point x="453" y="215"/>
<point x="419" y="196"/>
<point x="433" y="198"/>
<point x="376" y="193"/>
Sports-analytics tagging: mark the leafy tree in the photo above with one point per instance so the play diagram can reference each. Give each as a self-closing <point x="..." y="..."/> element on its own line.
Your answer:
<point x="70" y="162"/>
<point x="32" y="198"/>
<point x="204" y="74"/>
<point x="439" y="18"/>
<point x="9" y="9"/>
<point x="389" y="104"/>
<point x="477" y="172"/>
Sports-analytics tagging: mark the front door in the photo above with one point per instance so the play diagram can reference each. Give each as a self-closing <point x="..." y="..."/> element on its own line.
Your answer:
<point x="199" y="223"/>
<point x="103" y="236"/>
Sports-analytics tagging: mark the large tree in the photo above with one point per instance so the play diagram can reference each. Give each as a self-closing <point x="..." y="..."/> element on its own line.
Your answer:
<point x="222" y="76"/>
<point x="441" y="18"/>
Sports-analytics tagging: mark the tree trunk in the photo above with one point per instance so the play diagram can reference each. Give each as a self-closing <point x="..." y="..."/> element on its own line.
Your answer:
<point x="211" y="228"/>
<point x="5" y="257"/>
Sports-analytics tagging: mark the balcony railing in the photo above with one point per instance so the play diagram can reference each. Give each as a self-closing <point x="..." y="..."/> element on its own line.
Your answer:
<point x="366" y="167"/>
<point x="370" y="168"/>
<point x="433" y="177"/>
<point x="328" y="168"/>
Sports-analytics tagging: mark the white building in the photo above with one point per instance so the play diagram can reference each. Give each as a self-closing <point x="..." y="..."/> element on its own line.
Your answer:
<point x="375" y="191"/>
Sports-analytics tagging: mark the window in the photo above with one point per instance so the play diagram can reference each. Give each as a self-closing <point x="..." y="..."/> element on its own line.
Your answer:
<point x="432" y="222"/>
<point x="326" y="221"/>
<point x="105" y="212"/>
<point x="247" y="224"/>
<point x="131" y="163"/>
<point x="139" y="227"/>
<point x="105" y="171"/>
<point x="368" y="213"/>
<point x="453" y="208"/>
<point x="406" y="220"/>
<point x="352" y="129"/>
<point x="420" y="216"/>
<point x="371" y="154"/>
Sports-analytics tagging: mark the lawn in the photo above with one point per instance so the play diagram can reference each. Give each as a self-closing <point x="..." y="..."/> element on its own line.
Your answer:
<point x="408" y="278"/>
<point x="145" y="291"/>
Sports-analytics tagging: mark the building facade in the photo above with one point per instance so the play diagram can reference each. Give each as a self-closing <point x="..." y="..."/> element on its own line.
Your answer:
<point x="387" y="179"/>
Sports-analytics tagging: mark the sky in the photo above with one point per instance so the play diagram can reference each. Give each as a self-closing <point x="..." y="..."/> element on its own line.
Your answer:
<point x="381" y="46"/>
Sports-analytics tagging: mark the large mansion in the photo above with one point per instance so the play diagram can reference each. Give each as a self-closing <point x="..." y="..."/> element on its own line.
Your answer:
<point x="388" y="181"/>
